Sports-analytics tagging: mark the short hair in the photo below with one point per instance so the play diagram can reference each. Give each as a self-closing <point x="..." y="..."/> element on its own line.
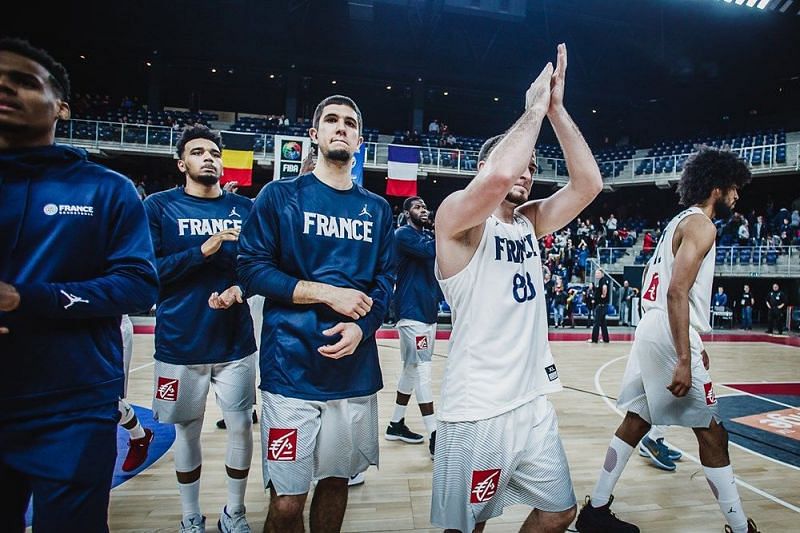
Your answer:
<point x="198" y="131"/>
<point x="408" y="201"/>
<point x="59" y="78"/>
<point x="337" y="99"/>
<point x="709" y="169"/>
<point x="490" y="144"/>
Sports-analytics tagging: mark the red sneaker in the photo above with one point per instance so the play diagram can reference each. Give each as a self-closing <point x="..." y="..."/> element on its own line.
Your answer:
<point x="137" y="452"/>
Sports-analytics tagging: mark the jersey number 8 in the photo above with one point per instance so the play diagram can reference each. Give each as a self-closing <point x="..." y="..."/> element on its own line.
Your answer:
<point x="523" y="288"/>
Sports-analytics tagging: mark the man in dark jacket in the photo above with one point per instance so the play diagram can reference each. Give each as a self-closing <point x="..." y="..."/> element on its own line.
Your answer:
<point x="75" y="255"/>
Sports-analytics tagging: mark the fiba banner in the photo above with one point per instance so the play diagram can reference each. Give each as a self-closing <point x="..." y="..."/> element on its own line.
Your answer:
<point x="357" y="172"/>
<point x="289" y="154"/>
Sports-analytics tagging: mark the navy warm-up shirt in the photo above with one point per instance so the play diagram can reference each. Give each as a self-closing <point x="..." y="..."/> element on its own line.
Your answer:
<point x="302" y="229"/>
<point x="74" y="242"/>
<point x="417" y="293"/>
<point x="188" y="331"/>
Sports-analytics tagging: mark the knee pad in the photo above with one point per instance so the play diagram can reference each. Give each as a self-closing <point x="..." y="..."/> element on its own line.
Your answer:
<point x="188" y="455"/>
<point x="423" y="392"/>
<point x="408" y="379"/>
<point x="239" y="452"/>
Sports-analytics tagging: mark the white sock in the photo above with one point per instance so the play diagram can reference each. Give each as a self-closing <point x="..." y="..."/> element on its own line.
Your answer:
<point x="430" y="423"/>
<point x="656" y="432"/>
<point x="236" y="489"/>
<point x="137" y="431"/>
<point x="723" y="485"/>
<point x="617" y="457"/>
<point x="190" y="498"/>
<point x="399" y="412"/>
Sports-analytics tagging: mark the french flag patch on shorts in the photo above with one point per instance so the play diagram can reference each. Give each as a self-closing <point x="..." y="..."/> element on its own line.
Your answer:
<point x="282" y="444"/>
<point x="484" y="485"/>
<point x="167" y="389"/>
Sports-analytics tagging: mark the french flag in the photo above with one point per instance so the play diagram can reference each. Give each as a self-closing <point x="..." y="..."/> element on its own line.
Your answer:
<point x="403" y="165"/>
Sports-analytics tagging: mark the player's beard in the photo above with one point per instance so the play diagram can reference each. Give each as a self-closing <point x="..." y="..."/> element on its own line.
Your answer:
<point x="516" y="198"/>
<point x="205" y="179"/>
<point x="340" y="156"/>
<point x="721" y="210"/>
<point x="419" y="221"/>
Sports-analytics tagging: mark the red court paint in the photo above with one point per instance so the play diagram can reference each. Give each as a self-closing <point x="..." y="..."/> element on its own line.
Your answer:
<point x="580" y="336"/>
<point x="781" y="389"/>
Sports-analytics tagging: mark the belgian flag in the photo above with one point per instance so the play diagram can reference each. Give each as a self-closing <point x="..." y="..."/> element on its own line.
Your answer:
<point x="237" y="158"/>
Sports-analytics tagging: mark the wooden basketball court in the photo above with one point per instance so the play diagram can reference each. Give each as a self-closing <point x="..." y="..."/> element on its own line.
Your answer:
<point x="397" y="497"/>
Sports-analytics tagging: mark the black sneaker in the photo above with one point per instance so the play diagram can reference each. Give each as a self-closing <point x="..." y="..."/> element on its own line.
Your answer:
<point x="751" y="527"/>
<point x="399" y="431"/>
<point x="601" y="520"/>
<point x="432" y="444"/>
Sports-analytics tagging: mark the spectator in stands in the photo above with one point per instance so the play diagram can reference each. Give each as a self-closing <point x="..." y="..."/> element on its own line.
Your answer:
<point x="571" y="296"/>
<point x="549" y="288"/>
<point x="583" y="230"/>
<point x="559" y="304"/>
<point x="625" y="297"/>
<point x="746" y="303"/>
<point x="649" y="243"/>
<point x="413" y="138"/>
<point x="611" y="225"/>
<point x="759" y="231"/>
<point x="433" y="127"/>
<point x="795" y="221"/>
<point x="776" y="302"/>
<point x="720" y="299"/>
<point x="140" y="189"/>
<point x="744" y="233"/>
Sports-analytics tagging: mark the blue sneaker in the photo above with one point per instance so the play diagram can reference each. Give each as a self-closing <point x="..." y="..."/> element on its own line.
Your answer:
<point x="672" y="453"/>
<point x="658" y="453"/>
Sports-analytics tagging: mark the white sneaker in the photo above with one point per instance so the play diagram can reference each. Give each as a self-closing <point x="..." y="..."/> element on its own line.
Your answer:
<point x="195" y="524"/>
<point x="358" y="479"/>
<point x="233" y="523"/>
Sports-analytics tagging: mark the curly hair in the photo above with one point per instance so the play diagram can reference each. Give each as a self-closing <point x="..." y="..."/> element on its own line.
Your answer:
<point x="198" y="131"/>
<point x="59" y="78"/>
<point x="709" y="169"/>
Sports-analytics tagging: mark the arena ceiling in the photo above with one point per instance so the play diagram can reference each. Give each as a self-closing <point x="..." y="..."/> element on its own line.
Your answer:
<point x="642" y="69"/>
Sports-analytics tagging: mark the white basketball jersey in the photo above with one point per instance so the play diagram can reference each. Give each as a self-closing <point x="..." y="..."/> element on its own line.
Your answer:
<point x="659" y="274"/>
<point x="499" y="353"/>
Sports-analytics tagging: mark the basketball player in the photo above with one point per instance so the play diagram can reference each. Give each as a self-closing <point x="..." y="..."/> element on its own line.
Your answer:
<point x="74" y="256"/>
<point x="204" y="333"/>
<point x="666" y="380"/>
<point x="320" y="249"/>
<point x="497" y="440"/>
<point x="139" y="438"/>
<point x="417" y="302"/>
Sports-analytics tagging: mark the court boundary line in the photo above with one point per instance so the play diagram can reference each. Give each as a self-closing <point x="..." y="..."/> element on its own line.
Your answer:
<point x="739" y="481"/>
<point x="748" y="450"/>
